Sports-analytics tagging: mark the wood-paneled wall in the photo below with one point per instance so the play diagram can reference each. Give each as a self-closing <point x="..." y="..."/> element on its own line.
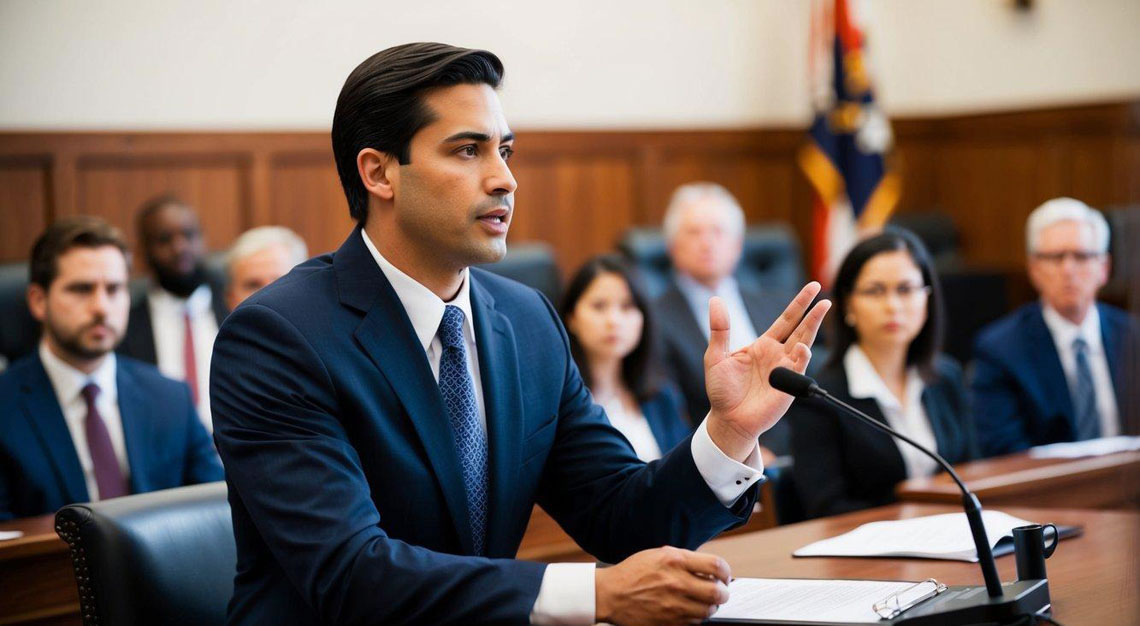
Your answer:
<point x="579" y="190"/>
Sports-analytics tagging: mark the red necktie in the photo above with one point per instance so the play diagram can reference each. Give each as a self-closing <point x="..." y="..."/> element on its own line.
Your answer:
<point x="188" y="361"/>
<point x="108" y="475"/>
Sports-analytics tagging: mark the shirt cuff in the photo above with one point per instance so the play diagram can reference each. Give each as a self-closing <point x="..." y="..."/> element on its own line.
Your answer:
<point x="727" y="477"/>
<point x="566" y="596"/>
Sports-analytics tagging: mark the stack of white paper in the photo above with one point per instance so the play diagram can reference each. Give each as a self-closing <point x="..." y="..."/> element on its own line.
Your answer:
<point x="800" y="600"/>
<point x="932" y="537"/>
<point x="1090" y="447"/>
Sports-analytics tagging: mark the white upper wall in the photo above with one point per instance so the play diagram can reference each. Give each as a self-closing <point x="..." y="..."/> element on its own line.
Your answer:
<point x="260" y="64"/>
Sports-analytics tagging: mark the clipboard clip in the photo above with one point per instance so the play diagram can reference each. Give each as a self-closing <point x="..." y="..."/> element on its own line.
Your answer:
<point x="895" y="604"/>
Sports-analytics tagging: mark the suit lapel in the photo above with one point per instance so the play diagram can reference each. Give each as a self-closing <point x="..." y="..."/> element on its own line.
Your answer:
<point x="1046" y="365"/>
<point x="945" y="435"/>
<point x="1114" y="338"/>
<point x="138" y="426"/>
<point x="141" y="333"/>
<point x="498" y="366"/>
<point x="42" y="410"/>
<point x="387" y="337"/>
<point x="681" y="319"/>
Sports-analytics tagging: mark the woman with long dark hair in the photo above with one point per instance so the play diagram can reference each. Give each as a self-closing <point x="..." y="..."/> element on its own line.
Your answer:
<point x="611" y="338"/>
<point x="886" y="361"/>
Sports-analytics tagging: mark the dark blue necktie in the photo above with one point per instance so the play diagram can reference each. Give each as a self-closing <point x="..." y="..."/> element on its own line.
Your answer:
<point x="470" y="438"/>
<point x="1084" y="394"/>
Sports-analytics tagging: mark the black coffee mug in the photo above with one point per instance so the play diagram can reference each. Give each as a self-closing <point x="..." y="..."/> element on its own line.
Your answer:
<point x="1030" y="550"/>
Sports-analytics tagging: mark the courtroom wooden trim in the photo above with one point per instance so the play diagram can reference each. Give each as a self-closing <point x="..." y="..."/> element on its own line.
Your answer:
<point x="579" y="189"/>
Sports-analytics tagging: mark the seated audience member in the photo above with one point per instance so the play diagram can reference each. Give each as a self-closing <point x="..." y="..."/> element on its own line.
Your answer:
<point x="260" y="256"/>
<point x="173" y="326"/>
<point x="78" y="423"/>
<point x="608" y="322"/>
<point x="1053" y="370"/>
<point x="704" y="229"/>
<point x="886" y="362"/>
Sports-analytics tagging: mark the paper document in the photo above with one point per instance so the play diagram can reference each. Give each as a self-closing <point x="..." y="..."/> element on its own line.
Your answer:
<point x="10" y="534"/>
<point x="933" y="537"/>
<point x="1090" y="447"/>
<point x="801" y="600"/>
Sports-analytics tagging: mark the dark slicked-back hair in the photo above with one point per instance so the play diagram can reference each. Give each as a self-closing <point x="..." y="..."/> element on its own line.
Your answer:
<point x="81" y="231"/>
<point x="928" y="343"/>
<point x="381" y="106"/>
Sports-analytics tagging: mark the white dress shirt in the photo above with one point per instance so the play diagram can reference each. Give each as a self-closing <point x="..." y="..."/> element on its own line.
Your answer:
<point x="908" y="417"/>
<point x="566" y="595"/>
<point x="167" y="313"/>
<point x="634" y="426"/>
<point x="741" y="332"/>
<point x="1064" y="333"/>
<point x="68" y="384"/>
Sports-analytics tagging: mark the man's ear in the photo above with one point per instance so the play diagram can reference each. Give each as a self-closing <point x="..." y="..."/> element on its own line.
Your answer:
<point x="378" y="171"/>
<point x="37" y="302"/>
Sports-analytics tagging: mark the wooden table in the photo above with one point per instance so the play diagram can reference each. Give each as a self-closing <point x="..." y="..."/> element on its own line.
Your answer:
<point x="1105" y="482"/>
<point x="1094" y="579"/>
<point x="37" y="581"/>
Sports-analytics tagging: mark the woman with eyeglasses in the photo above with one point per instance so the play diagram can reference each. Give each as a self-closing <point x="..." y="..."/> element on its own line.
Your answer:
<point x="608" y="321"/>
<point x="886" y="362"/>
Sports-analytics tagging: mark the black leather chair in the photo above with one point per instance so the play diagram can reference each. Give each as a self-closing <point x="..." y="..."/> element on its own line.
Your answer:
<point x="531" y="264"/>
<point x="19" y="331"/>
<point x="770" y="259"/>
<point x="165" y="557"/>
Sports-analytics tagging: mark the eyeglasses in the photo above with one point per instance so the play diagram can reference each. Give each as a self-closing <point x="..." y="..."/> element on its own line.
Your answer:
<point x="905" y="291"/>
<point x="1079" y="257"/>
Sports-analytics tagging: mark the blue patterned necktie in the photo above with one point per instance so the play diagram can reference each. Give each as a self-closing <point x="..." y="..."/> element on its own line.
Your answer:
<point x="470" y="439"/>
<point x="1084" y="394"/>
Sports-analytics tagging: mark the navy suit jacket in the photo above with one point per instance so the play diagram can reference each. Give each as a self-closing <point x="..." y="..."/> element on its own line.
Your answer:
<point x="664" y="412"/>
<point x="844" y="465"/>
<point x="346" y="491"/>
<point x="167" y="446"/>
<point x="1019" y="392"/>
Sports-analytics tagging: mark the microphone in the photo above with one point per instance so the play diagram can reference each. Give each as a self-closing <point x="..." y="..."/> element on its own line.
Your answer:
<point x="800" y="386"/>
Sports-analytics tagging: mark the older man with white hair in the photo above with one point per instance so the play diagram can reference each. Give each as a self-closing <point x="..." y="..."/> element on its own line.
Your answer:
<point x="260" y="256"/>
<point x="704" y="230"/>
<point x="1052" y="370"/>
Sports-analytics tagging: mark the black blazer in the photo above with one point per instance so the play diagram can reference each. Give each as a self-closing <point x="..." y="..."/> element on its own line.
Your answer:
<point x="683" y="345"/>
<point x="138" y="341"/>
<point x="844" y="465"/>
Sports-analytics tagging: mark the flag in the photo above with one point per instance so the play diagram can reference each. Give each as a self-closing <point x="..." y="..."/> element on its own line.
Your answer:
<point x="845" y="157"/>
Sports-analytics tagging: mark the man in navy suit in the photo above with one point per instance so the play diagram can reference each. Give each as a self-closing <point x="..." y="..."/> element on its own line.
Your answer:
<point x="1054" y="370"/>
<point x="388" y="415"/>
<point x="78" y="423"/>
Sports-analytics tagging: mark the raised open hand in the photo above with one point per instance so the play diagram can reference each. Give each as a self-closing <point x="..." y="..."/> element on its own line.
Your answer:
<point x="744" y="405"/>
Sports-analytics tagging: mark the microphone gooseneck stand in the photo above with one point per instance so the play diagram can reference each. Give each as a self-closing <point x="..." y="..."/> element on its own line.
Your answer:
<point x="1006" y="604"/>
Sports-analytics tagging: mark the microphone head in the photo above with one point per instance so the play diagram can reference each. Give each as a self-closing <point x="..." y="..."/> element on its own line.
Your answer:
<point x="791" y="383"/>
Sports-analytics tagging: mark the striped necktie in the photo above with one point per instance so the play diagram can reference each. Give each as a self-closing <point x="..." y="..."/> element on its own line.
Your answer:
<point x="1084" y="394"/>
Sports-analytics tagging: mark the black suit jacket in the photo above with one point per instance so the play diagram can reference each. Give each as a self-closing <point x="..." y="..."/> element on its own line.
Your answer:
<point x="844" y="465"/>
<point x="683" y="345"/>
<point x="138" y="342"/>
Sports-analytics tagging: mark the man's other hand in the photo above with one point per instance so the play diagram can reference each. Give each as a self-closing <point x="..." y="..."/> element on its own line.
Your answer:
<point x="661" y="586"/>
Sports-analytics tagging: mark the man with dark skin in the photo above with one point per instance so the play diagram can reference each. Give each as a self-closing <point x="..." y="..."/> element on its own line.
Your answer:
<point x="173" y="326"/>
